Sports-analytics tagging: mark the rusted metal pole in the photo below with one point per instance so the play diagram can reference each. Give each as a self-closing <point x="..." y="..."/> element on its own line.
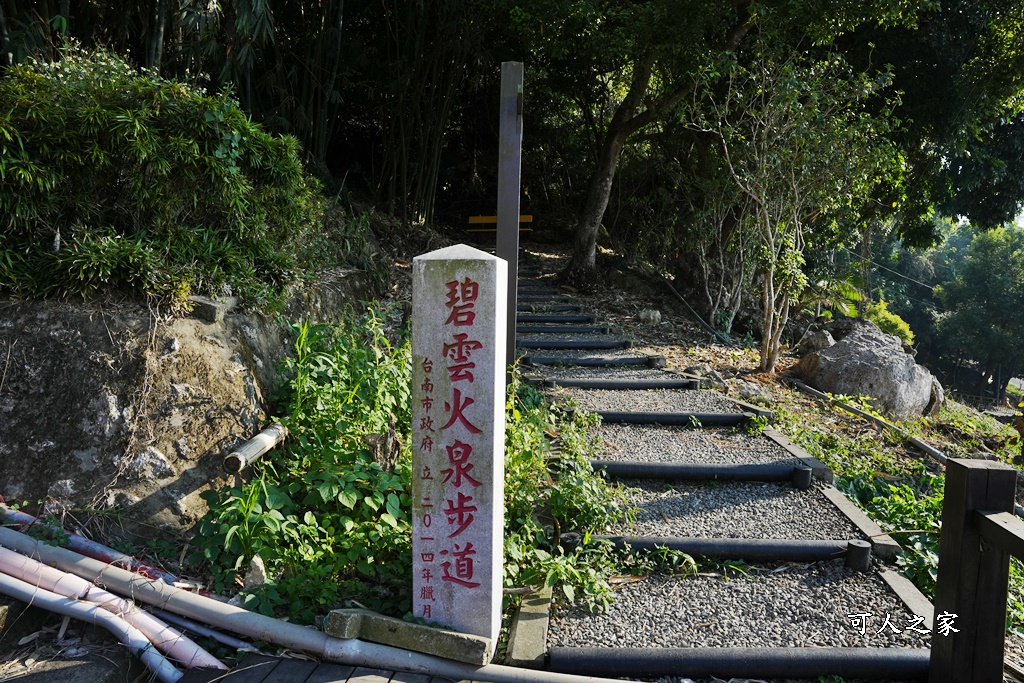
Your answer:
<point x="510" y="145"/>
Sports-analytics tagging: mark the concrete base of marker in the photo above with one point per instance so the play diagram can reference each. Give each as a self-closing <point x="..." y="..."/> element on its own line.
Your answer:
<point x="377" y="628"/>
<point x="528" y="636"/>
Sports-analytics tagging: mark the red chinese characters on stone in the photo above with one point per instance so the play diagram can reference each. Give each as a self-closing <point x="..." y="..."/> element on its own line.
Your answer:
<point x="461" y="296"/>
<point x="458" y="458"/>
<point x="460" y="513"/>
<point x="463" y="567"/>
<point x="456" y="407"/>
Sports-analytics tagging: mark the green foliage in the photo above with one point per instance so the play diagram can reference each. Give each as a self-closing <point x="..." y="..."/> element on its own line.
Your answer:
<point x="900" y="494"/>
<point x="114" y="178"/>
<point x="331" y="524"/>
<point x="564" y="486"/>
<point x="889" y="322"/>
<point x="327" y="520"/>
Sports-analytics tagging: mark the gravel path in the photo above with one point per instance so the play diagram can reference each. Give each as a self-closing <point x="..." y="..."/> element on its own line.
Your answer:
<point x="649" y="400"/>
<point x="609" y="373"/>
<point x="569" y="354"/>
<point x="645" y="443"/>
<point x="780" y="605"/>
<point x="733" y="510"/>
<point x="570" y="337"/>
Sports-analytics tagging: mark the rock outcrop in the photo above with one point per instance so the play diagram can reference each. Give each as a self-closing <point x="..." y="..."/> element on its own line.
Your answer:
<point x="111" y="406"/>
<point x="855" y="358"/>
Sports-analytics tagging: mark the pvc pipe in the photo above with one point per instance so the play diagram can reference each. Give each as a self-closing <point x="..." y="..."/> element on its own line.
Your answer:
<point x="759" y="549"/>
<point x="169" y="641"/>
<point x="582" y="345"/>
<point x="127" y="634"/>
<point x="625" y="384"/>
<point x="620" y="469"/>
<point x="685" y="419"/>
<point x="255" y="448"/>
<point x="352" y="652"/>
<point x="87" y="547"/>
<point x="888" y="663"/>
<point x="199" y="629"/>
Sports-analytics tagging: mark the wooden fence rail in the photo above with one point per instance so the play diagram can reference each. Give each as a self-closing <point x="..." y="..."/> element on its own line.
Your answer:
<point x="979" y="534"/>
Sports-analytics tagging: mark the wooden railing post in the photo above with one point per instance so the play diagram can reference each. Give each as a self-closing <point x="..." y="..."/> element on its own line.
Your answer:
<point x="970" y="596"/>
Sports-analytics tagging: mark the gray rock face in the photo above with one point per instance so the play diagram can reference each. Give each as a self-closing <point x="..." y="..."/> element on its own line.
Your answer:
<point x="104" y="407"/>
<point x="868" y="362"/>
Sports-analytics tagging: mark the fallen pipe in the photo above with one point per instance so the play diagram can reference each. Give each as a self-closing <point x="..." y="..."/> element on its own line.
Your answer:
<point x="563" y="329"/>
<point x="552" y="318"/>
<point x="175" y="645"/>
<point x="876" y="420"/>
<point x="888" y="663"/>
<point x="206" y="631"/>
<point x="352" y="652"/>
<point x="255" y="448"/>
<point x="87" y="547"/>
<point x="130" y="636"/>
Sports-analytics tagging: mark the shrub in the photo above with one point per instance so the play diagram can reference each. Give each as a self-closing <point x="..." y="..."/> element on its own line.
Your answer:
<point x="114" y="178"/>
<point x="889" y="322"/>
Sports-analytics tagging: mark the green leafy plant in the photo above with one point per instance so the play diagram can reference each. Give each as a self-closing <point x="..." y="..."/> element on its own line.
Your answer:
<point x="889" y="322"/>
<point x="117" y="179"/>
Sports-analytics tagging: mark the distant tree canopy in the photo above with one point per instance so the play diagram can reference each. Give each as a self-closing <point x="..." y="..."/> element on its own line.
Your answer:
<point x="637" y="126"/>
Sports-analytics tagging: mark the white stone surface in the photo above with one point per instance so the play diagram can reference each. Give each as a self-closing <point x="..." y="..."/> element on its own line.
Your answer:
<point x="458" y="402"/>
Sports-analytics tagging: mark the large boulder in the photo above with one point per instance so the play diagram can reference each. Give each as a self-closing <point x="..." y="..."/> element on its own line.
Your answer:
<point x="864" y="361"/>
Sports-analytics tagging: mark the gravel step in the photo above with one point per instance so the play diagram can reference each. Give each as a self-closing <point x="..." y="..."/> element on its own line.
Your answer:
<point x="694" y="420"/>
<point x="543" y="308"/>
<point x="552" y="318"/>
<point x="557" y="374"/>
<point x="681" y="445"/>
<point x="732" y="510"/>
<point x="621" y="384"/>
<point x="649" y="400"/>
<point x="580" y="344"/>
<point x="534" y="297"/>
<point x="774" y="605"/>
<point x="581" y="358"/>
<point x="563" y="329"/>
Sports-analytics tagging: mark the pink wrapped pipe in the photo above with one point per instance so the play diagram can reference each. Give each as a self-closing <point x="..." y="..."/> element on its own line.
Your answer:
<point x="89" y="548"/>
<point x="171" y="642"/>
<point x="87" y="611"/>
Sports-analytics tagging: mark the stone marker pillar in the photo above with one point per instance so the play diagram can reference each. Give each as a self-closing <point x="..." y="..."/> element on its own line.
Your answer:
<point x="459" y="297"/>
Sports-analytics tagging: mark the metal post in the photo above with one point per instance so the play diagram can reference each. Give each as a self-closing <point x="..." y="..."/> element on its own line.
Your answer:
<point x="970" y="593"/>
<point x="510" y="144"/>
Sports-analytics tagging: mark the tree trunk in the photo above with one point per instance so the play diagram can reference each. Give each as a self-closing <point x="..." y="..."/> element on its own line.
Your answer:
<point x="582" y="270"/>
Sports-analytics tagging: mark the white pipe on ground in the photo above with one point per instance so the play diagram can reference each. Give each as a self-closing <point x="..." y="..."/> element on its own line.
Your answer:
<point x="255" y="448"/>
<point x="174" y="644"/>
<point x="137" y="643"/>
<point x="221" y="615"/>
